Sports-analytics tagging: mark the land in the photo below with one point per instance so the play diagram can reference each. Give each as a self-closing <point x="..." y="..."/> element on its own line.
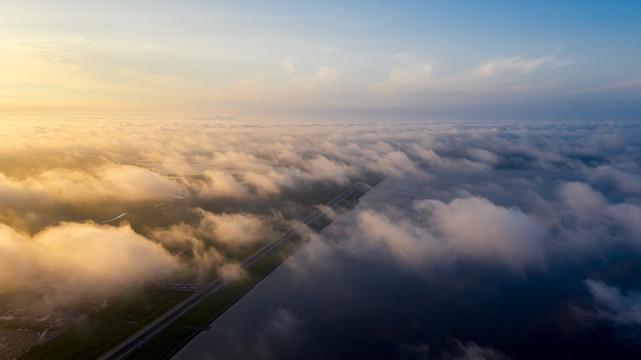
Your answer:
<point x="157" y="322"/>
<point x="97" y="334"/>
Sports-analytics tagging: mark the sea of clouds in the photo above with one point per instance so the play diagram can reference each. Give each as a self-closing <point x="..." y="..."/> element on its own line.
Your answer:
<point x="514" y="195"/>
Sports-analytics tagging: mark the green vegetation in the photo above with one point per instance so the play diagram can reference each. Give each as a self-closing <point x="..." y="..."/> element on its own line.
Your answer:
<point x="176" y="335"/>
<point x="102" y="331"/>
<point x="107" y="328"/>
<point x="172" y="338"/>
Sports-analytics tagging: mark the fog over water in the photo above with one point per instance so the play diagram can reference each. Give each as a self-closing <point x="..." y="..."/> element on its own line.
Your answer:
<point x="486" y="240"/>
<point x="504" y="240"/>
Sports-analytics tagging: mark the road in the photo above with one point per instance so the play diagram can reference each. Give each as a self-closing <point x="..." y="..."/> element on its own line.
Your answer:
<point x="143" y="336"/>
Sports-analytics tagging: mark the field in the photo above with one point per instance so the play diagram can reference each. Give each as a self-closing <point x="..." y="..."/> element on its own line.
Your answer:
<point x="125" y="316"/>
<point x="100" y="332"/>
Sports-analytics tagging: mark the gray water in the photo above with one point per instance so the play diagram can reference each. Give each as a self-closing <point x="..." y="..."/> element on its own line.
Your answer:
<point x="329" y="301"/>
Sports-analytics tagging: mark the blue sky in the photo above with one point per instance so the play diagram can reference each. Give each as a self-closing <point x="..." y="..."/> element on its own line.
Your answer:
<point x="232" y="56"/>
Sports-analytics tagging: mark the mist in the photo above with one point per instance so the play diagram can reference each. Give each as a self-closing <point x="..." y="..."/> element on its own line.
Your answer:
<point x="95" y="207"/>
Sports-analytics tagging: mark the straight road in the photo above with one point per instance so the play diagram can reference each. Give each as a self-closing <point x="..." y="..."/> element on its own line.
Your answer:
<point x="143" y="336"/>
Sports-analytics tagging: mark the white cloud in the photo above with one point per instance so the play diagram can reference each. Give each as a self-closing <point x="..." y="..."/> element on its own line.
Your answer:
<point x="614" y="306"/>
<point x="581" y="197"/>
<point x="110" y="182"/>
<point x="408" y="76"/>
<point x="409" y="244"/>
<point x="434" y="233"/>
<point x="236" y="230"/>
<point x="250" y="84"/>
<point x="484" y="155"/>
<point x="232" y="271"/>
<point x="403" y="57"/>
<point x="514" y="65"/>
<point x="323" y="169"/>
<point x="221" y="184"/>
<point x="471" y="214"/>
<point x="290" y="66"/>
<point x="324" y="78"/>
<point x="475" y="227"/>
<point x="81" y="259"/>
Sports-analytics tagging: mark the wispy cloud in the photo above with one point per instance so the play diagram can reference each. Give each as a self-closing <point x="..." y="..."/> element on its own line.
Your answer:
<point x="290" y="66"/>
<point x="614" y="306"/>
<point x="77" y="39"/>
<point x="324" y="78"/>
<point x="411" y="76"/>
<point x="449" y="198"/>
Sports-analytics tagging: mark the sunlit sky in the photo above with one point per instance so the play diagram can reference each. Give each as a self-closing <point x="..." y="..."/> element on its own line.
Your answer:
<point x="231" y="56"/>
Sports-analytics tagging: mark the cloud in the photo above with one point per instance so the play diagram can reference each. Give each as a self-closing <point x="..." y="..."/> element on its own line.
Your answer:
<point x="472" y="351"/>
<point x="221" y="184"/>
<point x="235" y="230"/>
<point x="323" y="169"/>
<point x="277" y="334"/>
<point x="327" y="211"/>
<point x="414" y="351"/>
<point x="395" y="163"/>
<point x="263" y="183"/>
<point x="324" y="78"/>
<point x="614" y="306"/>
<point x="249" y="84"/>
<point x="195" y="251"/>
<point x="627" y="182"/>
<point x="223" y="117"/>
<point x="290" y="66"/>
<point x="282" y="334"/>
<point x="410" y="76"/>
<point x="232" y="271"/>
<point x="475" y="227"/>
<point x="586" y="222"/>
<point x="204" y="244"/>
<point x="438" y="233"/>
<point x="515" y="65"/>
<point x="484" y="155"/>
<point x="316" y="254"/>
<point x="81" y="259"/>
<point x="111" y="182"/>
<point x="456" y="164"/>
<point x="411" y="245"/>
<point x="499" y="194"/>
<point x="581" y="197"/>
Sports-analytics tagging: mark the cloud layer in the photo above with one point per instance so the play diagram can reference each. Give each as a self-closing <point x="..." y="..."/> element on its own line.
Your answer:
<point x="514" y="195"/>
<point x="80" y="260"/>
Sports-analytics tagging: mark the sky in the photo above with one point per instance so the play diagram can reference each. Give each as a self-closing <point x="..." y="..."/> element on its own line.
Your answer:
<point x="160" y="141"/>
<point x="241" y="57"/>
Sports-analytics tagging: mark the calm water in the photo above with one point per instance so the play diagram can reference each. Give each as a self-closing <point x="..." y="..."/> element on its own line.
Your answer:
<point x="329" y="303"/>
